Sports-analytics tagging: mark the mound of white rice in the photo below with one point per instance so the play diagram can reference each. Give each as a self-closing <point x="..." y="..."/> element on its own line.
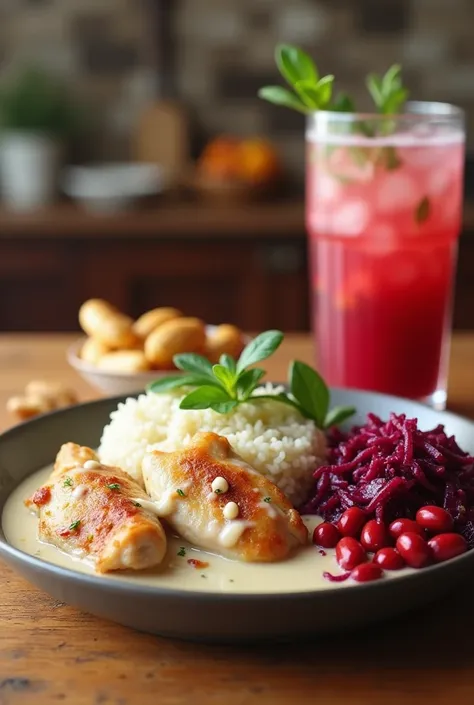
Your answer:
<point x="272" y="437"/>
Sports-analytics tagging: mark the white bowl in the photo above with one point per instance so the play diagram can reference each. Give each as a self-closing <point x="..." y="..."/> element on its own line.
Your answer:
<point x="111" y="187"/>
<point x="111" y="383"/>
<point x="116" y="383"/>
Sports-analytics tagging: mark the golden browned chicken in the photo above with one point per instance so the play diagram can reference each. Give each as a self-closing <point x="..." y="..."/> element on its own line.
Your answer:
<point x="98" y="512"/>
<point x="215" y="500"/>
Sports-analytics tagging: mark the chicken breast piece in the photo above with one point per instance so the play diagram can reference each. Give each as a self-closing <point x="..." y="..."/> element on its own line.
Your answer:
<point x="249" y="519"/>
<point x="71" y="455"/>
<point x="98" y="512"/>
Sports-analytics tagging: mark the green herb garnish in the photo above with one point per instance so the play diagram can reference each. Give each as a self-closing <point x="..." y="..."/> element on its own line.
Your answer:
<point x="311" y="92"/>
<point x="182" y="551"/>
<point x="232" y="382"/>
<point x="423" y="210"/>
<point x="75" y="525"/>
<point x="114" y="486"/>
<point x="387" y="91"/>
<point x="180" y="493"/>
<point x="217" y="491"/>
<point x="67" y="482"/>
<point x="136" y="504"/>
<point x="267" y="499"/>
<point x="299" y="70"/>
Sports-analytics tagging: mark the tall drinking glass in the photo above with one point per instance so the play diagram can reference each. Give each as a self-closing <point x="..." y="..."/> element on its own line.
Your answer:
<point x="383" y="213"/>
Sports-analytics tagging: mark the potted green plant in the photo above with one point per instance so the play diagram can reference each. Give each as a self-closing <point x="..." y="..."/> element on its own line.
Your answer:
<point x="36" y="117"/>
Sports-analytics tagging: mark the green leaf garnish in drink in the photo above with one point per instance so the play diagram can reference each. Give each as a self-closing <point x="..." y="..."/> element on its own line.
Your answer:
<point x="299" y="70"/>
<point x="387" y="91"/>
<point x="423" y="210"/>
<point x="232" y="382"/>
<point x="313" y="93"/>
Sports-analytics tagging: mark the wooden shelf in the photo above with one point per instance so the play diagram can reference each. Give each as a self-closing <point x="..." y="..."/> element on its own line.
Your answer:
<point x="187" y="219"/>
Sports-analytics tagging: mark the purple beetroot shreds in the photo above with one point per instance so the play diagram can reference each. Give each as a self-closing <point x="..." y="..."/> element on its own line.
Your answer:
<point x="407" y="433"/>
<point x="392" y="468"/>
<point x="335" y="578"/>
<point x="419" y="475"/>
<point x="392" y="487"/>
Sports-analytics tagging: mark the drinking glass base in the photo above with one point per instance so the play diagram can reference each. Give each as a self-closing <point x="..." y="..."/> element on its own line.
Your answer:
<point x="437" y="400"/>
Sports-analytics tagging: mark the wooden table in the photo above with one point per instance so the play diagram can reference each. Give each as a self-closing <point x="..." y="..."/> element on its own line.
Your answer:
<point x="52" y="653"/>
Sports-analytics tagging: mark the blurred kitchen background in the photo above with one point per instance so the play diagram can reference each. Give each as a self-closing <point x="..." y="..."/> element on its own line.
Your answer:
<point x="166" y="83"/>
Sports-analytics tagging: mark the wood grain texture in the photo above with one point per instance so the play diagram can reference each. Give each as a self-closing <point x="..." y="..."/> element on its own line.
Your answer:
<point x="51" y="653"/>
<point x="170" y="219"/>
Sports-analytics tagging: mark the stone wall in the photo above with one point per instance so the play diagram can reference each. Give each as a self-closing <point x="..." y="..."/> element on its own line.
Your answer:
<point x="224" y="52"/>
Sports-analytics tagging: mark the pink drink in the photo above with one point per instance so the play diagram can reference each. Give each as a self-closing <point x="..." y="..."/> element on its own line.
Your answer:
<point x="384" y="215"/>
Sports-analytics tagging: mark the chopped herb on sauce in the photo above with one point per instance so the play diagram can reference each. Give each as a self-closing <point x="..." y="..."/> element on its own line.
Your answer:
<point x="67" y="482"/>
<point x="267" y="499"/>
<point x="217" y="491"/>
<point x="114" y="486"/>
<point x="203" y="576"/>
<point x="75" y="525"/>
<point x="181" y="493"/>
<point x="182" y="551"/>
<point x="136" y="504"/>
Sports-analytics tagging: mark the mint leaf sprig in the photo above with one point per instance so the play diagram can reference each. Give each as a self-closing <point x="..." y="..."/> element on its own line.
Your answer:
<point x="387" y="91"/>
<point x="224" y="386"/>
<point x="311" y="92"/>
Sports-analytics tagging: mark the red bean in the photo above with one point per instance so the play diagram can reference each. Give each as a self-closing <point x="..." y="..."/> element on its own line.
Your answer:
<point x="435" y="519"/>
<point x="326" y="535"/>
<point x="404" y="526"/>
<point x="446" y="546"/>
<point x="350" y="553"/>
<point x="365" y="572"/>
<point x="351" y="522"/>
<point x="389" y="559"/>
<point x="414" y="550"/>
<point x="374" y="535"/>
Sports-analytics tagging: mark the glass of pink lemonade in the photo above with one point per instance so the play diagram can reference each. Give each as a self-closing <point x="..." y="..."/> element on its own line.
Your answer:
<point x="383" y="213"/>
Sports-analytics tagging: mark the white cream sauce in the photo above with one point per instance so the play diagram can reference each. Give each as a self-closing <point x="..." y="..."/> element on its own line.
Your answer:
<point x="80" y="491"/>
<point x="232" y="532"/>
<point x="301" y="572"/>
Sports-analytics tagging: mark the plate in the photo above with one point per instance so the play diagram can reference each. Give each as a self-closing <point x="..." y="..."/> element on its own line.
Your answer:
<point x="212" y="616"/>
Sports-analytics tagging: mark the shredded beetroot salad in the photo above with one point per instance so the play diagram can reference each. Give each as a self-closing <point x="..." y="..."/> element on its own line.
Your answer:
<point x="391" y="469"/>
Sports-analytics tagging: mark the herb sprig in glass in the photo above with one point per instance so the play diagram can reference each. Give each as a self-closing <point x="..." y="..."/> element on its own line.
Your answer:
<point x="224" y="386"/>
<point x="309" y="93"/>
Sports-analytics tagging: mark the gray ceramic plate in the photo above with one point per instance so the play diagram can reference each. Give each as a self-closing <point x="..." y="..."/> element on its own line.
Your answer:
<point x="212" y="616"/>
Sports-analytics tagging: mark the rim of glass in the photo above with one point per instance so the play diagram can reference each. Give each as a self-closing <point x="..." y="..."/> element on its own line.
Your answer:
<point x="414" y="110"/>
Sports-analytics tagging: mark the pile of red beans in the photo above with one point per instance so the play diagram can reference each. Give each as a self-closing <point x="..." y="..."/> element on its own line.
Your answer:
<point x="367" y="548"/>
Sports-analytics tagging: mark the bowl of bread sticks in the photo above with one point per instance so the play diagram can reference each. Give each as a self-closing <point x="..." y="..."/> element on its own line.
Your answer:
<point x="122" y="355"/>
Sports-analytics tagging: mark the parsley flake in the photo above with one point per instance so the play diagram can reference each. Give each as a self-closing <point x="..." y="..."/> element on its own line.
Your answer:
<point x="267" y="499"/>
<point x="67" y="482"/>
<point x="75" y="525"/>
<point x="182" y="551"/>
<point x="136" y="504"/>
<point x="114" y="486"/>
<point x="217" y="491"/>
<point x="180" y="493"/>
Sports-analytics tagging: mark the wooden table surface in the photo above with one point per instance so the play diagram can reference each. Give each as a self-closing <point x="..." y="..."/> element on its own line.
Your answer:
<point x="52" y="653"/>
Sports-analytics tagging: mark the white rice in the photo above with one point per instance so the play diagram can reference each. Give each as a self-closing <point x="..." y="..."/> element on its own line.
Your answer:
<point x="272" y="437"/>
